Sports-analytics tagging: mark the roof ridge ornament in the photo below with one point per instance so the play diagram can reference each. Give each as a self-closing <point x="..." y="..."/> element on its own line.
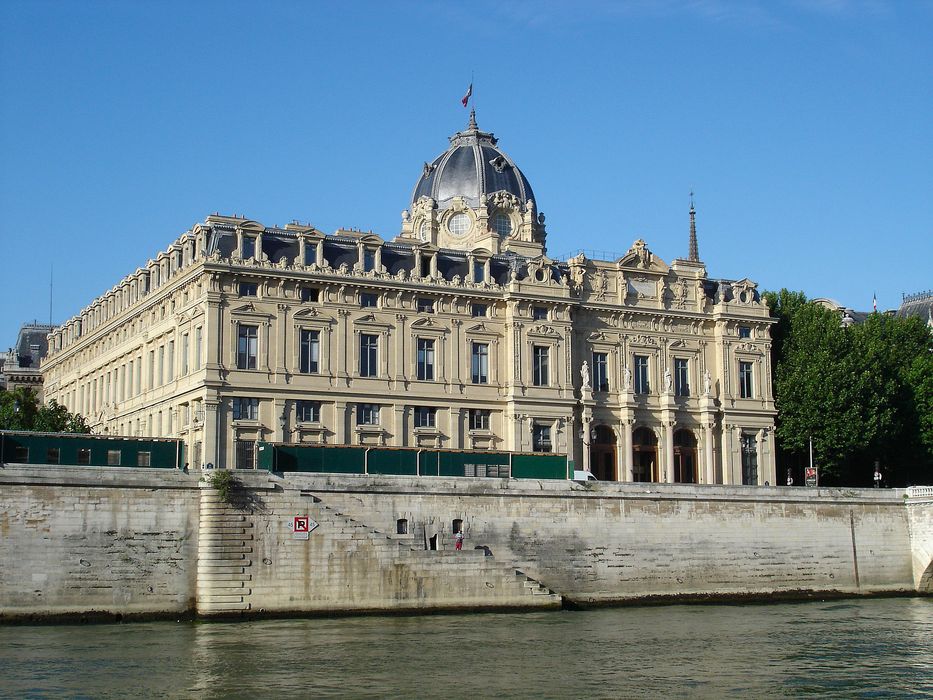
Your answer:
<point x="472" y="125"/>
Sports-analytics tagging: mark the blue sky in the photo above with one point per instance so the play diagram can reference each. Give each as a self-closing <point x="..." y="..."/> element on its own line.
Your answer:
<point x="803" y="127"/>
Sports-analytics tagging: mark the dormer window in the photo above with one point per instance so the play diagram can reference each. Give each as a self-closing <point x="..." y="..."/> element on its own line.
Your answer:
<point x="249" y="246"/>
<point x="369" y="260"/>
<point x="479" y="271"/>
<point x="248" y="289"/>
<point x="503" y="225"/>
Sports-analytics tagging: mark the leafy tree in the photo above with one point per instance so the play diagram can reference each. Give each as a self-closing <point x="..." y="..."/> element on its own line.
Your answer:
<point x="20" y="410"/>
<point x="862" y="393"/>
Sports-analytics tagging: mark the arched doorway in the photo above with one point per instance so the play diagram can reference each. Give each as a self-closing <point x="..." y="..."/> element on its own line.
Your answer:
<point x="603" y="453"/>
<point x="685" y="457"/>
<point x="644" y="455"/>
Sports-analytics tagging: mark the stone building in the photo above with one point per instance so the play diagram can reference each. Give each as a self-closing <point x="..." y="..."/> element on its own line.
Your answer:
<point x="460" y="332"/>
<point x="20" y="366"/>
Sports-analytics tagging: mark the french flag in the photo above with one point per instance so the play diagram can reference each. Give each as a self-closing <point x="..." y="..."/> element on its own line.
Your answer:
<point x="469" y="94"/>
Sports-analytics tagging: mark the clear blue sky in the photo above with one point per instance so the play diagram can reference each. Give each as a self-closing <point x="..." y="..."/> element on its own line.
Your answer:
<point x="804" y="128"/>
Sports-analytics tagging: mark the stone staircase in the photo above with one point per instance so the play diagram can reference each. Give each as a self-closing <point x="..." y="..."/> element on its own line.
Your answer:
<point x="246" y="563"/>
<point x="467" y="562"/>
<point x="225" y="557"/>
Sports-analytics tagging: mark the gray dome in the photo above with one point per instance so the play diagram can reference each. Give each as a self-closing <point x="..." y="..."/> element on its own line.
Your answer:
<point x="473" y="166"/>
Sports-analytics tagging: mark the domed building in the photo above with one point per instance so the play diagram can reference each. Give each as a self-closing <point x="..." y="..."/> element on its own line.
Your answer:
<point x="459" y="333"/>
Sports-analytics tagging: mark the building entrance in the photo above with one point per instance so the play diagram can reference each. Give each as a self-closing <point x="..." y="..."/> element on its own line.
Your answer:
<point x="603" y="453"/>
<point x="645" y="455"/>
<point x="685" y="457"/>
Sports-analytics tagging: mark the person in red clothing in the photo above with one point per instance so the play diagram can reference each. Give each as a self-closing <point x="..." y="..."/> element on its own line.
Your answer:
<point x="459" y="540"/>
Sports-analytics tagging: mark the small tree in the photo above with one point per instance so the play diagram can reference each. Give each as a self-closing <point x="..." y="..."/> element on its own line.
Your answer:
<point x="20" y="410"/>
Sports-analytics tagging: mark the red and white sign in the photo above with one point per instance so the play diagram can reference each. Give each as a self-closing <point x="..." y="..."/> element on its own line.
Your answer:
<point x="302" y="524"/>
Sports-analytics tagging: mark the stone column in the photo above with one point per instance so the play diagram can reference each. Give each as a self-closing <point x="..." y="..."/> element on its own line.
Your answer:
<point x="456" y="429"/>
<point x="341" y="409"/>
<point x="400" y="434"/>
<point x="668" y="430"/>
<point x="708" y="455"/>
<point x="627" y="462"/>
<point x="212" y="453"/>
<point x="416" y="272"/>
<point x="319" y="253"/>
<point x="282" y="336"/>
<point x="302" y="246"/>
<point x="377" y="260"/>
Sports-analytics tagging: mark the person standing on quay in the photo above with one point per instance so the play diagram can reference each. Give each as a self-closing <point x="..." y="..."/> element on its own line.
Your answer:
<point x="877" y="476"/>
<point x="459" y="539"/>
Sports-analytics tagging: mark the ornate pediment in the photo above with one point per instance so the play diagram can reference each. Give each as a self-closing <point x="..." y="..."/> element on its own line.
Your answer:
<point x="309" y="312"/>
<point x="543" y="330"/>
<point x="641" y="258"/>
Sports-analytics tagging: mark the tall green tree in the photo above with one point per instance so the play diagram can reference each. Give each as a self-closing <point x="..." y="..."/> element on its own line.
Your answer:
<point x="862" y="392"/>
<point x="21" y="410"/>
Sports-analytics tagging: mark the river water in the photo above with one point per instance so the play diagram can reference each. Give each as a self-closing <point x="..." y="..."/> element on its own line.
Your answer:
<point x="843" y="648"/>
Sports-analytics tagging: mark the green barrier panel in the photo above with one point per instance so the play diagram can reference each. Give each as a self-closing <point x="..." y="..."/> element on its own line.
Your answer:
<point x="319" y="458"/>
<point x="266" y="457"/>
<point x="494" y="464"/>
<point x="429" y="463"/>
<point x="87" y="450"/>
<point x="539" y="467"/>
<point x="402" y="462"/>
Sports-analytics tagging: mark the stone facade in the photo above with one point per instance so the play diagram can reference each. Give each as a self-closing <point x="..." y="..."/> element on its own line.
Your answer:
<point x="459" y="333"/>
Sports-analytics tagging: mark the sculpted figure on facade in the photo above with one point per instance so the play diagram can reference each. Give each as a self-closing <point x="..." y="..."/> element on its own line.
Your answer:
<point x="707" y="382"/>
<point x="585" y="375"/>
<point x="668" y="380"/>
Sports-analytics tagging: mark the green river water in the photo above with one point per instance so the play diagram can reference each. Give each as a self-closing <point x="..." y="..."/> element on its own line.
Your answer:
<point x="835" y="649"/>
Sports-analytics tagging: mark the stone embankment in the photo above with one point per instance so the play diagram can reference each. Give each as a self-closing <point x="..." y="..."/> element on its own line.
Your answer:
<point x="111" y="543"/>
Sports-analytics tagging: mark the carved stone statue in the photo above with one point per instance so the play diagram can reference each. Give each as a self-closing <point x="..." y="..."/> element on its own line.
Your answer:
<point x="668" y="380"/>
<point x="602" y="285"/>
<point x="707" y="383"/>
<point x="627" y="378"/>
<point x="585" y="375"/>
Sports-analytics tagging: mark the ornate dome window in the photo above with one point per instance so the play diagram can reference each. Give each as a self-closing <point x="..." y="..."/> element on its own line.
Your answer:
<point x="423" y="231"/>
<point x="459" y="224"/>
<point x="503" y="225"/>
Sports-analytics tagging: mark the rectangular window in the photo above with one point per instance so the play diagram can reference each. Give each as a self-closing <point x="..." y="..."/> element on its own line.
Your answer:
<point x="248" y="289"/>
<point x="249" y="247"/>
<point x="681" y="377"/>
<point x="541" y="438"/>
<point x="247" y="346"/>
<point x="161" y="373"/>
<point x="426" y="306"/>
<point x="245" y="454"/>
<point x="369" y="355"/>
<point x="367" y="414"/>
<point x="749" y="460"/>
<point x="479" y="310"/>
<point x="310" y="294"/>
<point x="368" y="300"/>
<point x="540" y="356"/>
<point x="245" y="409"/>
<point x="308" y="411"/>
<point x="600" y="371"/>
<point x="479" y="272"/>
<point x="480" y="363"/>
<point x="143" y="459"/>
<point x="84" y="455"/>
<point x="130" y="378"/>
<point x="426" y="359"/>
<point x="185" y="349"/>
<point x="369" y="260"/>
<point x="113" y="458"/>
<point x="745" y="332"/>
<point x="425" y="417"/>
<point x="197" y="347"/>
<point x="310" y="352"/>
<point x="479" y="419"/>
<point x="745" y="380"/>
<point x="539" y="313"/>
<point x="51" y="455"/>
<point x="642" y="386"/>
<point x="171" y="360"/>
<point x="21" y="454"/>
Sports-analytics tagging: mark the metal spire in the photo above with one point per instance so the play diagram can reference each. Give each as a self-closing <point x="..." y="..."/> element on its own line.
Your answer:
<point x="472" y="124"/>
<point x="694" y="248"/>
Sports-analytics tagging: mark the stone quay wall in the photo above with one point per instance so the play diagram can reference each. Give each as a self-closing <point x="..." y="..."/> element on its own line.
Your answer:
<point x="81" y="541"/>
<point x="613" y="542"/>
<point x="112" y="542"/>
